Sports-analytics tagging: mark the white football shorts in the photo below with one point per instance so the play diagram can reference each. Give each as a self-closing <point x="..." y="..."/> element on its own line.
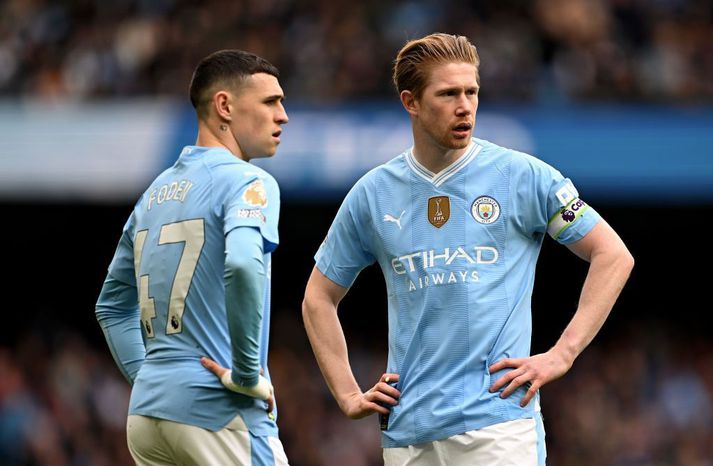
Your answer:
<point x="513" y="443"/>
<point x="158" y="442"/>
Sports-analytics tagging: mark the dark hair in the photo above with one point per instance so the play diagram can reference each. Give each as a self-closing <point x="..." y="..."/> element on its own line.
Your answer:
<point x="415" y="59"/>
<point x="224" y="68"/>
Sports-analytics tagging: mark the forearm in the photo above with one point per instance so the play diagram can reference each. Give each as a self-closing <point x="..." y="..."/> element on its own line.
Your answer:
<point x="244" y="297"/>
<point x="608" y="272"/>
<point x="118" y="315"/>
<point x="329" y="345"/>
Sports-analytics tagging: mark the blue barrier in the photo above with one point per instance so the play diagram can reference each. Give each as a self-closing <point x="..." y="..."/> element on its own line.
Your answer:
<point x="630" y="154"/>
<point x="111" y="151"/>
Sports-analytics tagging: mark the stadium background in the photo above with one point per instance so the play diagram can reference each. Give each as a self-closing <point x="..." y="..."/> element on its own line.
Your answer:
<point x="618" y="94"/>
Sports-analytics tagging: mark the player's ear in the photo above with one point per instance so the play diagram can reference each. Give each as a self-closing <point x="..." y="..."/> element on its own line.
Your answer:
<point x="222" y="105"/>
<point x="408" y="100"/>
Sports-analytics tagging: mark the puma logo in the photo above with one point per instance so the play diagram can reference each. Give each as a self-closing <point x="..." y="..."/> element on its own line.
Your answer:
<point x="391" y="218"/>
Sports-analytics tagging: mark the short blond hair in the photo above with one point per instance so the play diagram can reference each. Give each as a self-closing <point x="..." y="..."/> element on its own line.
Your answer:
<point x="414" y="60"/>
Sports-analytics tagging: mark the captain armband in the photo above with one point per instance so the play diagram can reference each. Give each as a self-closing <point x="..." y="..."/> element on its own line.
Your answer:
<point x="565" y="217"/>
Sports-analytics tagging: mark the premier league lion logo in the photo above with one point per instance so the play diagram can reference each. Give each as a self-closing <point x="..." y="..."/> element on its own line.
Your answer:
<point x="568" y="215"/>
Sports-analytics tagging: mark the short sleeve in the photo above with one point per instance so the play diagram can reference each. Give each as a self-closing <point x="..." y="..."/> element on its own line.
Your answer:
<point x="570" y="218"/>
<point x="546" y="201"/>
<point x="122" y="265"/>
<point x="345" y="251"/>
<point x="255" y="202"/>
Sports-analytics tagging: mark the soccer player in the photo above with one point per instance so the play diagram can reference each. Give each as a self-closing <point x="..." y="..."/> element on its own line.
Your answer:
<point x="456" y="225"/>
<point x="188" y="290"/>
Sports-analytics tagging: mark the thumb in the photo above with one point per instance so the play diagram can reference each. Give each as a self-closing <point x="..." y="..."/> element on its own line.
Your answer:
<point x="213" y="366"/>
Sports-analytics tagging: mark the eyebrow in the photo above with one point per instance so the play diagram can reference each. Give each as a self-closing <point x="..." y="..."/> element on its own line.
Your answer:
<point x="270" y="98"/>
<point x="457" y="88"/>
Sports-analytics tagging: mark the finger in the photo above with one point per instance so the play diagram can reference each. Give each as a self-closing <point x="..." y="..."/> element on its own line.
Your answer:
<point x="387" y="389"/>
<point x="270" y="403"/>
<point x="380" y="397"/>
<point x="514" y="385"/>
<point x="528" y="396"/>
<point x="504" y="380"/>
<point x="504" y="363"/>
<point x="213" y="366"/>
<point x="389" y="377"/>
<point x="370" y="406"/>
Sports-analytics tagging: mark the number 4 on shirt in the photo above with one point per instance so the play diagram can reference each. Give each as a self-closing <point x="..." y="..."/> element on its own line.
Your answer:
<point x="191" y="233"/>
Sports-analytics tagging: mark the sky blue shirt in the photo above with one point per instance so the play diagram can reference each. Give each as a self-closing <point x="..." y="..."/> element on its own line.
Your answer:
<point x="171" y="256"/>
<point x="458" y="251"/>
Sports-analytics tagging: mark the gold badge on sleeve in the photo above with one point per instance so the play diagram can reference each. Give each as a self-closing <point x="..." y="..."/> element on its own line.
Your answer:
<point x="255" y="194"/>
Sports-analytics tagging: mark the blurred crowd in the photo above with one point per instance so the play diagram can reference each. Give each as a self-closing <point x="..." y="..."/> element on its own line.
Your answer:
<point x="62" y="403"/>
<point x="641" y="398"/>
<point x="645" y="398"/>
<point x="329" y="50"/>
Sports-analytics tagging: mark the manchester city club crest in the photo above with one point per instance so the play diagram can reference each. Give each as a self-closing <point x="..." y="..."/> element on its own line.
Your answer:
<point x="485" y="210"/>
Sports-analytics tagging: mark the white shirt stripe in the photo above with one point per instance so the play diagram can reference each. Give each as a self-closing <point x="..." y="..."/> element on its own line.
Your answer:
<point x="439" y="178"/>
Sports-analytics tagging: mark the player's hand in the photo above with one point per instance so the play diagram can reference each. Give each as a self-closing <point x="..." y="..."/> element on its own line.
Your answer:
<point x="359" y="405"/>
<point x="534" y="371"/>
<point x="263" y="390"/>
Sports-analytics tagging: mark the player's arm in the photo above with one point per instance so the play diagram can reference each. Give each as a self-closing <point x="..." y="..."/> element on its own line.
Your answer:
<point x="117" y="308"/>
<point x="244" y="296"/>
<point x="319" y="311"/>
<point x="118" y="314"/>
<point x="610" y="264"/>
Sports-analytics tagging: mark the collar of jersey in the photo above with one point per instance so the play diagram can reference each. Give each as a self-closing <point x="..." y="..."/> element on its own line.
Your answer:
<point x="195" y="151"/>
<point x="439" y="178"/>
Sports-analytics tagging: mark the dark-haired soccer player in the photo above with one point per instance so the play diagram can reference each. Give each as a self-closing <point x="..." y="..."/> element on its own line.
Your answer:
<point x="189" y="285"/>
<point x="456" y="224"/>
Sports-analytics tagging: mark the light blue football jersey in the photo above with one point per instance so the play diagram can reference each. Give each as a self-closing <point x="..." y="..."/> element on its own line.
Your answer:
<point x="458" y="251"/>
<point x="173" y="247"/>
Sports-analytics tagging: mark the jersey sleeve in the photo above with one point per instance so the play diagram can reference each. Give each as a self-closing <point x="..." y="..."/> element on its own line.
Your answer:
<point x="345" y="251"/>
<point x="122" y="265"/>
<point x="244" y="292"/>
<point x="254" y="202"/>
<point x="118" y="314"/>
<point x="117" y="308"/>
<point x="546" y="201"/>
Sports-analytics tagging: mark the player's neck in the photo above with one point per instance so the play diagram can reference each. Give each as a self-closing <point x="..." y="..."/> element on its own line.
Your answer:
<point x="435" y="158"/>
<point x="207" y="137"/>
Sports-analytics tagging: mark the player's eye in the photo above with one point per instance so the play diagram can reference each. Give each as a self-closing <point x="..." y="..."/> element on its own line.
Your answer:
<point x="273" y="100"/>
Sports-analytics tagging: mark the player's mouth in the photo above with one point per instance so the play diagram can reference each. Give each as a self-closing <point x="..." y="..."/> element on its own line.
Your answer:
<point x="276" y="135"/>
<point x="462" y="130"/>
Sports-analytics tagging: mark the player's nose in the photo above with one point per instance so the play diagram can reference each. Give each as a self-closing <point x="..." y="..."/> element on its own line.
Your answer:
<point x="465" y="106"/>
<point x="281" y="117"/>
